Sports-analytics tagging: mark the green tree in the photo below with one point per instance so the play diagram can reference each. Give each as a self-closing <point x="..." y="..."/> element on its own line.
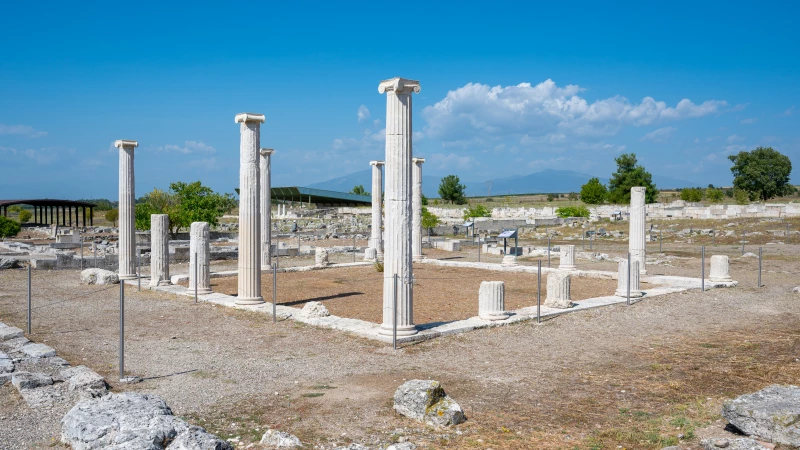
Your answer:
<point x="550" y="197"/>
<point x="572" y="211"/>
<point x="429" y="220"/>
<point x="359" y="190"/>
<point x="424" y="200"/>
<point x="112" y="215"/>
<point x="593" y="192"/>
<point x="14" y="208"/>
<point x="693" y="195"/>
<point x="714" y="195"/>
<point x="741" y="196"/>
<point x="630" y="174"/>
<point x="197" y="203"/>
<point x="155" y="202"/>
<point x="763" y="173"/>
<point x="476" y="211"/>
<point x="451" y="190"/>
<point x="25" y="216"/>
<point x="8" y="227"/>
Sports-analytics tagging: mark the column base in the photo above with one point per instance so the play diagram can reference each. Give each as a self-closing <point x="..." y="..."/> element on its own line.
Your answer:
<point x="249" y="300"/>
<point x="720" y="280"/>
<point x="567" y="268"/>
<point x="418" y="257"/>
<point x="165" y="283"/>
<point x="130" y="276"/>
<point x="404" y="330"/>
<point x="200" y="291"/>
<point x="495" y="316"/>
<point x="634" y="294"/>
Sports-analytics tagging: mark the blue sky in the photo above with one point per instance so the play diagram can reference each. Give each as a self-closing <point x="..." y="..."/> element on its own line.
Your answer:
<point x="507" y="88"/>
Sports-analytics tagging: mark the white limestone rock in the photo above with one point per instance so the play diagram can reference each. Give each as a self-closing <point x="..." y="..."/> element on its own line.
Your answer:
<point x="280" y="439"/>
<point x="99" y="276"/>
<point x="38" y="350"/>
<point x="313" y="310"/>
<point x="796" y="289"/>
<point x="426" y="401"/>
<point x="732" y="444"/>
<point x="749" y="255"/>
<point x="772" y="413"/>
<point x="509" y="260"/>
<point x="8" y="263"/>
<point x="28" y="380"/>
<point x="197" y="438"/>
<point x="82" y="378"/>
<point x="6" y="364"/>
<point x="353" y="446"/>
<point x="402" y="446"/>
<point x="8" y="333"/>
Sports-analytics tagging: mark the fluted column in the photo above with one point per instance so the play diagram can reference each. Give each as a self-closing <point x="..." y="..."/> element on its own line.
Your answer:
<point x="491" y="301"/>
<point x="265" y="166"/>
<point x="376" y="239"/>
<point x="397" y="242"/>
<point x="199" y="251"/>
<point x="416" y="208"/>
<point x="622" y="279"/>
<point x="720" y="269"/>
<point x="159" y="250"/>
<point x="567" y="260"/>
<point x="127" y="203"/>
<point x="558" y="290"/>
<point x="636" y="240"/>
<point x="249" y="206"/>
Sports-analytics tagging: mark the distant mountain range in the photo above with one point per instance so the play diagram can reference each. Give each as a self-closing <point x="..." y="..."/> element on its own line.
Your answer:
<point x="544" y="182"/>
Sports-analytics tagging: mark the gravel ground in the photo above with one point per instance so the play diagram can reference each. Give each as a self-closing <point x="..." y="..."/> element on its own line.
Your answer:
<point x="576" y="380"/>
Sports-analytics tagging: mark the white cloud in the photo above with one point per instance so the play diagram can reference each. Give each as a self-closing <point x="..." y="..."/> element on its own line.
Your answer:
<point x="789" y="111"/>
<point x="480" y="110"/>
<point x="734" y="138"/>
<point x="451" y="161"/>
<point x="205" y="163"/>
<point x="21" y="130"/>
<point x="8" y="150"/>
<point x="659" y="135"/>
<point x="363" y="113"/>
<point x="739" y="107"/>
<point x="748" y="121"/>
<point x="188" y="147"/>
<point x="541" y="164"/>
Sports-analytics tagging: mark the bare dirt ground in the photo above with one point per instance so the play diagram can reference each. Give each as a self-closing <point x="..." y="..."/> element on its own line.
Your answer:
<point x="615" y="377"/>
<point x="441" y="294"/>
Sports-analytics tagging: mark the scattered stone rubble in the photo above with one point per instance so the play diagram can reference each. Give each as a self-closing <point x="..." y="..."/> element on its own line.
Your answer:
<point x="426" y="401"/>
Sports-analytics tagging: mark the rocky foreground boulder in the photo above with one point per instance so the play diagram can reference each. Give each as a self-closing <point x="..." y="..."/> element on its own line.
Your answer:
<point x="132" y="421"/>
<point x="99" y="276"/>
<point x="771" y="414"/>
<point x="426" y="401"/>
<point x="732" y="444"/>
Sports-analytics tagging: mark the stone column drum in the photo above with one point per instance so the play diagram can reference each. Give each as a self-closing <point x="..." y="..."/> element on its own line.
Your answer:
<point x="492" y="301"/>
<point x="720" y="269"/>
<point x="567" y="261"/>
<point x="397" y="243"/>
<point x="370" y="254"/>
<point x="638" y="229"/>
<point x="558" y="287"/>
<point x="249" y="292"/>
<point x="127" y="202"/>
<point x="265" y="197"/>
<point x="200" y="251"/>
<point x="159" y="250"/>
<point x="320" y="256"/>
<point x="376" y="236"/>
<point x="416" y="208"/>
<point x="622" y="279"/>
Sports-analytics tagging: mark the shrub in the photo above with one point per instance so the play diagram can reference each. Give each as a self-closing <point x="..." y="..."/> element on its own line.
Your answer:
<point x="8" y="227"/>
<point x="550" y="197"/>
<point x="691" y="195"/>
<point x="25" y="215"/>
<point x="714" y="195"/>
<point x="741" y="196"/>
<point x="477" y="211"/>
<point x="572" y="211"/>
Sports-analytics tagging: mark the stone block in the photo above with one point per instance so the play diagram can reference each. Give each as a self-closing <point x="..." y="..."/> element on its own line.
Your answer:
<point x="558" y="290"/>
<point x="38" y="350"/>
<point x="321" y="257"/>
<point x="426" y="401"/>
<point x="491" y="301"/>
<point x="8" y="333"/>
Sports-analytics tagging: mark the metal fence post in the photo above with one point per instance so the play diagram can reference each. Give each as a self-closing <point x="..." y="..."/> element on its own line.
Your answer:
<point x="703" y="268"/>
<point x="759" y="267"/>
<point x="274" y="293"/>
<point x="394" y="314"/>
<point x="196" y="273"/>
<point x="94" y="250"/>
<point x="744" y="235"/>
<point x="539" y="291"/>
<point x="29" y="298"/>
<point x="139" y="271"/>
<point x="121" y="330"/>
<point x="548" y="251"/>
<point x="659" y="240"/>
<point x="628" y="295"/>
<point x="479" y="248"/>
<point x="80" y="238"/>
<point x="787" y="233"/>
<point x="354" y="248"/>
<point x="583" y="241"/>
<point x="591" y="240"/>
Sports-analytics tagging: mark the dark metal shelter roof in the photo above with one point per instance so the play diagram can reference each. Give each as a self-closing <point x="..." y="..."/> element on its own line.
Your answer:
<point x="46" y="202"/>
<point x="318" y="196"/>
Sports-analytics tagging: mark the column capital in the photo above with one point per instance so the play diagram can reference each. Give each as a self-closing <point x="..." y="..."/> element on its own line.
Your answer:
<point x="399" y="86"/>
<point x="249" y="117"/>
<point x="124" y="143"/>
<point x="266" y="151"/>
<point x="377" y="163"/>
<point x="417" y="160"/>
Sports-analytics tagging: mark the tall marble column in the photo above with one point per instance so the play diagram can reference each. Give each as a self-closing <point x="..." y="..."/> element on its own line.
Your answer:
<point x="159" y="250"/>
<point x="397" y="242"/>
<point x="416" y="208"/>
<point x="199" y="254"/>
<point x="636" y="238"/>
<point x="249" y="229"/>
<point x="266" y="205"/>
<point x="376" y="238"/>
<point x="127" y="203"/>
